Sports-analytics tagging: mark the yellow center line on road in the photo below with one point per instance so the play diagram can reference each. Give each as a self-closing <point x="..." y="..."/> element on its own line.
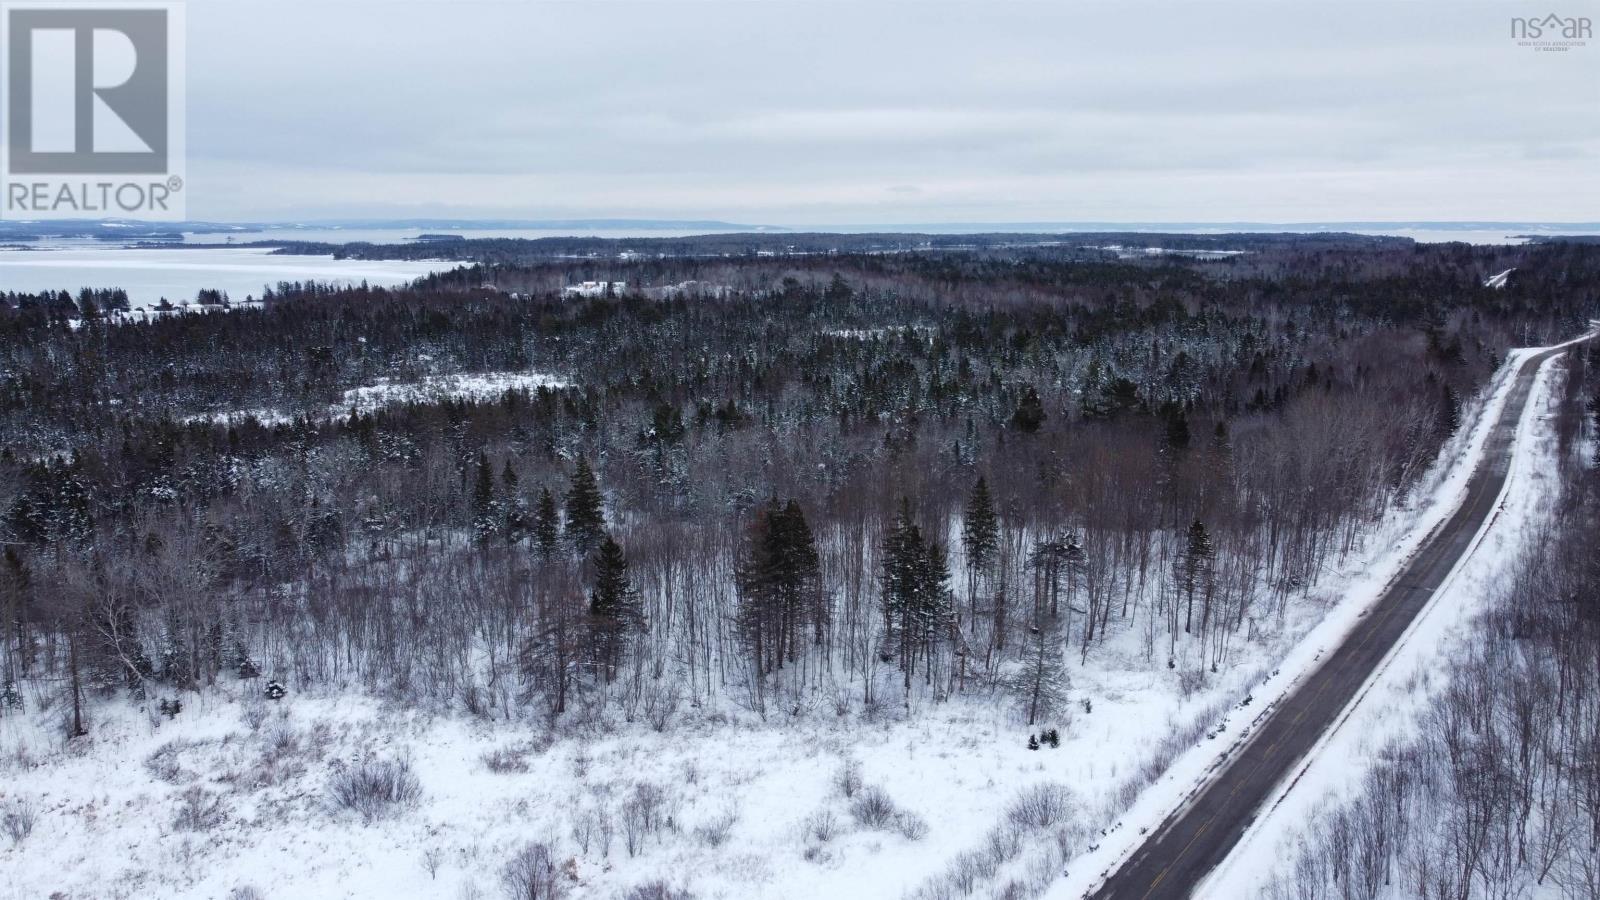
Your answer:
<point x="1198" y="831"/>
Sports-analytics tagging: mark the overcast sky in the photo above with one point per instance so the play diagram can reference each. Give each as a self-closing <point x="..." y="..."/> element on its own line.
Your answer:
<point x="825" y="112"/>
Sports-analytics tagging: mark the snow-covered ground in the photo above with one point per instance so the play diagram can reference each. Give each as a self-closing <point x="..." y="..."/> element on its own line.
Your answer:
<point x="748" y="810"/>
<point x="178" y="274"/>
<point x="384" y="392"/>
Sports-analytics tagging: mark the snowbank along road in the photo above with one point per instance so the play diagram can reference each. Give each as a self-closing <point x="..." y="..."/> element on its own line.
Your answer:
<point x="1194" y="839"/>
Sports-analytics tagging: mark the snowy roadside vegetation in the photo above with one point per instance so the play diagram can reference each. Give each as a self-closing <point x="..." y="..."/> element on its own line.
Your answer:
<point x="917" y="576"/>
<point x="1468" y="770"/>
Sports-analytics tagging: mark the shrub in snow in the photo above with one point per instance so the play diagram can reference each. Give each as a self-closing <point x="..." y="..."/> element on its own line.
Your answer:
<point x="661" y="705"/>
<point x="822" y="826"/>
<point x="586" y="828"/>
<point x="1041" y="806"/>
<point x="1003" y="843"/>
<point x="274" y="691"/>
<point x="872" y="808"/>
<point x="375" y="788"/>
<point x="848" y="778"/>
<point x="163" y="763"/>
<point x="18" y="820"/>
<point x="532" y="875"/>
<point x="658" y="890"/>
<point x="1033" y="742"/>
<point x="911" y="826"/>
<point x="1053" y="738"/>
<point x="969" y="870"/>
<point x="644" y="812"/>
<point x="432" y="859"/>
<point x="715" y="831"/>
<point x="198" y="810"/>
<point x="170" y="708"/>
<point x="1013" y="890"/>
<point x="246" y="892"/>
<point x="248" y="669"/>
<point x="505" y="761"/>
<point x="254" y="715"/>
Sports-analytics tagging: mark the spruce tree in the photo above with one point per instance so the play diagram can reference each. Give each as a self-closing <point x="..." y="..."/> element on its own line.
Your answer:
<point x="586" y="522"/>
<point x="546" y="524"/>
<point x="1449" y="412"/>
<point x="1040" y="686"/>
<point x="614" y="607"/>
<point x="1194" y="567"/>
<point x="980" y="529"/>
<point x="484" y="512"/>
<point x="779" y="581"/>
<point x="916" y="602"/>
<point x="1029" y="415"/>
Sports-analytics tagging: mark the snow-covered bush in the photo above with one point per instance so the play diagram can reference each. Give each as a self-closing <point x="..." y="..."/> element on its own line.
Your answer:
<point x="199" y="810"/>
<point x="163" y="763"/>
<point x="1041" y="806"/>
<point x="645" y="811"/>
<point x="661" y="704"/>
<point x="911" y="826"/>
<point x="375" y="788"/>
<point x="872" y="808"/>
<point x="848" y="778"/>
<point x="658" y="890"/>
<point x="1003" y="843"/>
<point x="821" y="826"/>
<point x="253" y="715"/>
<point x="714" y="832"/>
<point x="969" y="869"/>
<point x="532" y="875"/>
<point x="505" y="761"/>
<point x="18" y="820"/>
<point x="586" y="828"/>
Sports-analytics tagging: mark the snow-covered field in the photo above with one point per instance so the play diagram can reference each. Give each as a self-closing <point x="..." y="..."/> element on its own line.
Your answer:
<point x="235" y="792"/>
<point x="178" y="274"/>
<point x="477" y="386"/>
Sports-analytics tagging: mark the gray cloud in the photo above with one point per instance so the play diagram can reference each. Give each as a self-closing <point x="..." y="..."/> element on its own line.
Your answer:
<point x="815" y="112"/>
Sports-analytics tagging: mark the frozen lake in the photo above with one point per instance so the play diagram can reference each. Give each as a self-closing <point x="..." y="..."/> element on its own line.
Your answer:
<point x="178" y="274"/>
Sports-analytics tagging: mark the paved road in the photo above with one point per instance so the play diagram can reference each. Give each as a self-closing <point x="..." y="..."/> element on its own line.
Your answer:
<point x="1191" y="842"/>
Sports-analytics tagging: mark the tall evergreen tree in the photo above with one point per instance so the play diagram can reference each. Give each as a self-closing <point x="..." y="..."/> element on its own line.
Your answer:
<point x="485" y="514"/>
<point x="915" y="595"/>
<point x="1029" y="415"/>
<point x="614" y="607"/>
<point x="780" y="594"/>
<point x="1040" y="686"/>
<point x="1449" y="412"/>
<point x="546" y="524"/>
<point x="980" y="530"/>
<point x="586" y="522"/>
<point x="1194" y="569"/>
